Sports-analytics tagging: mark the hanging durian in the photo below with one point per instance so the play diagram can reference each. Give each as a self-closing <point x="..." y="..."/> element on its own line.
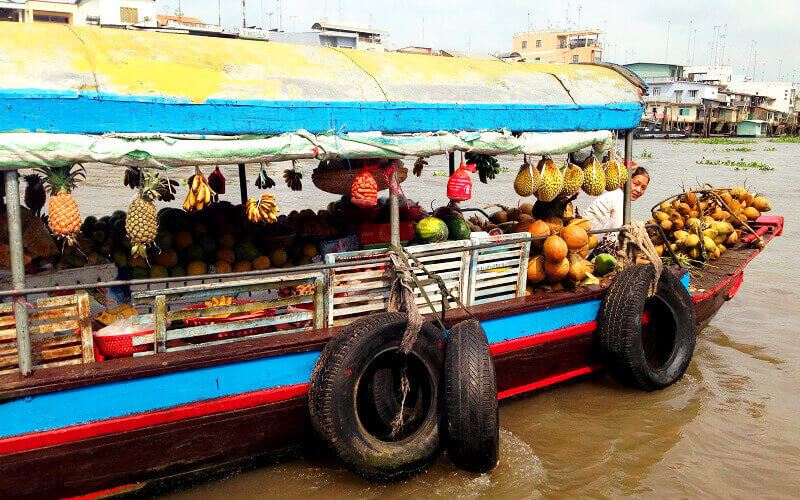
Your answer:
<point x="594" y="179"/>
<point x="528" y="180"/>
<point x="573" y="180"/>
<point x="552" y="181"/>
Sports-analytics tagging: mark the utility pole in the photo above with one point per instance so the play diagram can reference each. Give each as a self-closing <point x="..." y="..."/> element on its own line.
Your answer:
<point x="666" y="52"/>
<point x="219" y="12"/>
<point x="780" y="67"/>
<point x="689" y="42"/>
<point x="244" y="14"/>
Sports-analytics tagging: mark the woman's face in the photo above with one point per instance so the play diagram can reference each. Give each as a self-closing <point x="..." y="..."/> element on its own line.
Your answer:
<point x="639" y="185"/>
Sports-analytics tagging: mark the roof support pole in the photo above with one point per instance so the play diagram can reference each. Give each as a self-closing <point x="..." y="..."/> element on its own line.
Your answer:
<point x="451" y="160"/>
<point x="243" y="183"/>
<point x="626" y="206"/>
<point x="17" y="269"/>
<point x="394" y="213"/>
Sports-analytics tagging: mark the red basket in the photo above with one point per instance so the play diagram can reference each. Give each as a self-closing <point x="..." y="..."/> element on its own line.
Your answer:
<point x="120" y="346"/>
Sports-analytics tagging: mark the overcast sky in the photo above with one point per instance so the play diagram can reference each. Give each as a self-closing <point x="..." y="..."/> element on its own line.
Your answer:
<point x="634" y="30"/>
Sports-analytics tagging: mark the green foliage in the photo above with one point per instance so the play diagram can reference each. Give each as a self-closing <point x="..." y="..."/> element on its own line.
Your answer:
<point x="743" y="149"/>
<point x="785" y="138"/>
<point x="645" y="154"/>
<point x="741" y="164"/>
<point x="770" y="149"/>
<point x="721" y="140"/>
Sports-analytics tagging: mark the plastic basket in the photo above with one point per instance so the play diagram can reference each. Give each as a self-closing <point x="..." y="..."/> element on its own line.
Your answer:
<point x="120" y="346"/>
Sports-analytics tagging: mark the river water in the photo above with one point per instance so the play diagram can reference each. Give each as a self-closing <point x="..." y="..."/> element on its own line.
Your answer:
<point x="729" y="428"/>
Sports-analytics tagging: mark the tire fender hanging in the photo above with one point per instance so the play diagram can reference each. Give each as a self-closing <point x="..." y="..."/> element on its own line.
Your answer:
<point x="654" y="355"/>
<point x="471" y="407"/>
<point x="341" y="397"/>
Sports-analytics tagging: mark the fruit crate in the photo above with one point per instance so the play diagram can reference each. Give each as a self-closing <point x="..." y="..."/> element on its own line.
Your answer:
<point x="357" y="290"/>
<point x="498" y="273"/>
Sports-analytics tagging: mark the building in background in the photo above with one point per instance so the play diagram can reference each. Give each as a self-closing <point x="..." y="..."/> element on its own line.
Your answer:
<point x="51" y="11"/>
<point x="12" y="10"/>
<point x="117" y="13"/>
<point x="336" y="34"/>
<point x="647" y="70"/>
<point x="563" y="46"/>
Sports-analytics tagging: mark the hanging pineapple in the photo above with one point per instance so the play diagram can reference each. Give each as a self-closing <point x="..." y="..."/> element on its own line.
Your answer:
<point x="141" y="224"/>
<point x="63" y="216"/>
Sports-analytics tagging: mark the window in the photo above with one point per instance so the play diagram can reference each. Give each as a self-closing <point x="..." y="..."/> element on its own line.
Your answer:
<point x="524" y="44"/>
<point x="46" y="17"/>
<point x="683" y="112"/>
<point x="692" y="93"/>
<point x="574" y="59"/>
<point x="678" y="95"/>
<point x="656" y="91"/>
<point x="538" y="58"/>
<point x="562" y="42"/>
<point x="128" y="15"/>
<point x="597" y="58"/>
<point x="538" y="43"/>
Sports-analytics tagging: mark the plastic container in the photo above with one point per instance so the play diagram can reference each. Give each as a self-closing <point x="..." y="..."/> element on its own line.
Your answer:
<point x="116" y="340"/>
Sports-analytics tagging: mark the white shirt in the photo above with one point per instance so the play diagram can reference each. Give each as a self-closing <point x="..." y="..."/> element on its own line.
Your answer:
<point x="605" y="211"/>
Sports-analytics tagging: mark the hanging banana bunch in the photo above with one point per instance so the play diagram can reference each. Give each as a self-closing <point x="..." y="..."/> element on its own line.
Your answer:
<point x="264" y="181"/>
<point x="200" y="193"/>
<point x="293" y="177"/>
<point x="263" y="209"/>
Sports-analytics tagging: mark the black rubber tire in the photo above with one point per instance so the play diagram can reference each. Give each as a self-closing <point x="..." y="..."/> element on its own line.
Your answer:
<point x="340" y="398"/>
<point x="630" y="357"/>
<point x="387" y="397"/>
<point x="471" y="408"/>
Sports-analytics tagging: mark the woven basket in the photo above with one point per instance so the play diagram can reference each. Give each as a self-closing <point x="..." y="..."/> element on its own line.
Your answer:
<point x="341" y="181"/>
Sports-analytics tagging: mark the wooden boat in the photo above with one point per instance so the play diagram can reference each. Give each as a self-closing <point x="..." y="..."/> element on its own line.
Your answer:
<point x="117" y="425"/>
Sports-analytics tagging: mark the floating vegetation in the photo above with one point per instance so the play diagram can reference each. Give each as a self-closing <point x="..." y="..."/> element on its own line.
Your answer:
<point x="740" y="165"/>
<point x="770" y="149"/>
<point x="645" y="154"/>
<point x="439" y="173"/>
<point x="786" y="138"/>
<point x="743" y="149"/>
<point x="721" y="140"/>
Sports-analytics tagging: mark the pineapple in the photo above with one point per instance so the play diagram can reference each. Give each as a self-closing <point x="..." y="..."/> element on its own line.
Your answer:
<point x="141" y="224"/>
<point x="63" y="217"/>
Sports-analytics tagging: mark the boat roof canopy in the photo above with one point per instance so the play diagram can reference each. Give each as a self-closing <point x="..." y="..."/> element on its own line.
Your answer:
<point x="88" y="80"/>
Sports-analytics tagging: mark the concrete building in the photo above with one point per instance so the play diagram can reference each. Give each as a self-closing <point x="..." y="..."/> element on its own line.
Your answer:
<point x="564" y="46"/>
<point x="51" y="11"/>
<point x="647" y="70"/>
<point x="120" y="13"/>
<point x="366" y="38"/>
<point x="12" y="10"/>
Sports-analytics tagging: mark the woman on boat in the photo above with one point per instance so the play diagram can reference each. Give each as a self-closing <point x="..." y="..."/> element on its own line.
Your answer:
<point x="605" y="212"/>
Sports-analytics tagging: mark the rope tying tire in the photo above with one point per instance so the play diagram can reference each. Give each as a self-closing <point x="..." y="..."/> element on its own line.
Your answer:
<point x="635" y="237"/>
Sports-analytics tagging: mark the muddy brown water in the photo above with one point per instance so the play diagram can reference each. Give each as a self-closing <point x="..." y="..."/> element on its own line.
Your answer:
<point x="729" y="428"/>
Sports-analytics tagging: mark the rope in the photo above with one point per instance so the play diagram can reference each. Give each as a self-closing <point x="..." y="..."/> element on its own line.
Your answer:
<point x="634" y="238"/>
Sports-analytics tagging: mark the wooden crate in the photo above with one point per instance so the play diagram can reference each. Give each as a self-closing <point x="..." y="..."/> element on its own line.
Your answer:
<point x="500" y="272"/>
<point x="291" y="314"/>
<point x="357" y="290"/>
<point x="60" y="333"/>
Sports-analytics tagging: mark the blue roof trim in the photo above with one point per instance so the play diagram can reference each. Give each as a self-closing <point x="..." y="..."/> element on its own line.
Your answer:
<point x="90" y="112"/>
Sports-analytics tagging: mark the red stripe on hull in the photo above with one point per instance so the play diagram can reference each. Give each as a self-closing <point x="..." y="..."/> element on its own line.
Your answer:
<point x="561" y="333"/>
<point x="27" y="442"/>
<point x="547" y="381"/>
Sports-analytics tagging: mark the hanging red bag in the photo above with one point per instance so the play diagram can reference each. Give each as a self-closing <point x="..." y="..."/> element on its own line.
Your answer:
<point x="459" y="186"/>
<point x="364" y="191"/>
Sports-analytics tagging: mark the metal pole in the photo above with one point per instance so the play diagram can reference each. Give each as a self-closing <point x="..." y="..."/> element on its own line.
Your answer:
<point x="17" y="269"/>
<point x="626" y="206"/>
<point x="451" y="158"/>
<point x="394" y="214"/>
<point x="243" y="183"/>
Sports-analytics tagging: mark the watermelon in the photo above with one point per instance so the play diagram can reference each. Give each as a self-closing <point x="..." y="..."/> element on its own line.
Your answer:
<point x="604" y="263"/>
<point x="457" y="228"/>
<point x="246" y="250"/>
<point x="431" y="230"/>
<point x="194" y="252"/>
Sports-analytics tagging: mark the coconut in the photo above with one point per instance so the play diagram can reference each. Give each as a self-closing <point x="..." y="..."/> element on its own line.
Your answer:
<point x="578" y="267"/>
<point x="584" y="223"/>
<point x="536" y="271"/>
<point x="541" y="229"/>
<point x="526" y="208"/>
<point x="751" y="213"/>
<point x="761" y="204"/>
<point x="499" y="217"/>
<point x="555" y="249"/>
<point x="555" y="223"/>
<point x="574" y="236"/>
<point x="556" y="270"/>
<point x="523" y="217"/>
<point x="522" y="227"/>
<point x="513" y="214"/>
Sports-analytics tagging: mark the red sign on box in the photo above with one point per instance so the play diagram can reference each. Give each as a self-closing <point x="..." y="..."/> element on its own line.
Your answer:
<point x="372" y="234"/>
